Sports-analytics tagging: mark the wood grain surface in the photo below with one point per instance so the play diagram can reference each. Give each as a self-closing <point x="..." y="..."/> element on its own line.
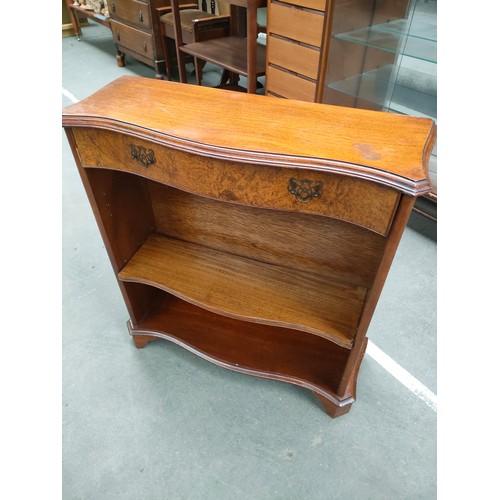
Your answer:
<point x="386" y="148"/>
<point x="354" y="200"/>
<point x="248" y="290"/>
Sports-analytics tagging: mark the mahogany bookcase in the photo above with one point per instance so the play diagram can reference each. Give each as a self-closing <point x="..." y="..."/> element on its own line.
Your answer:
<point x="256" y="232"/>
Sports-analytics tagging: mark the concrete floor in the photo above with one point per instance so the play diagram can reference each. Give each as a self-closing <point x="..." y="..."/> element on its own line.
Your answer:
<point x="161" y="423"/>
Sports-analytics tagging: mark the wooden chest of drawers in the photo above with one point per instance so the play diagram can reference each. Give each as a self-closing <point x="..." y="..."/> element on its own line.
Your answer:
<point x="136" y="31"/>
<point x="260" y="240"/>
<point x="295" y="55"/>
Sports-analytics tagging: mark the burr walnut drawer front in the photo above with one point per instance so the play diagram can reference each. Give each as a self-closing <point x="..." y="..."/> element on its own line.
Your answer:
<point x="292" y="189"/>
<point x="131" y="12"/>
<point x="132" y="39"/>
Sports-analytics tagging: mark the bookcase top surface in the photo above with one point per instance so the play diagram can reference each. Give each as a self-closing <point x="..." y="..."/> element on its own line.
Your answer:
<point x="382" y="147"/>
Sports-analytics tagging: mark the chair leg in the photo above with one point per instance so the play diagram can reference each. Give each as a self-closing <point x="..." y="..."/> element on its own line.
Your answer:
<point x="198" y="67"/>
<point x="223" y="78"/>
<point x="181" y="63"/>
<point x="166" y="55"/>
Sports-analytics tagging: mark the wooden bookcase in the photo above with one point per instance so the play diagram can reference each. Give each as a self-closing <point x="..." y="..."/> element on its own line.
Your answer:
<point x="255" y="232"/>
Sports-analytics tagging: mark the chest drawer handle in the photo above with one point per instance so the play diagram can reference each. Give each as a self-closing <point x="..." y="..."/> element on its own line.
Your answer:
<point x="142" y="156"/>
<point x="305" y="189"/>
<point x="139" y="16"/>
<point x="144" y="46"/>
<point x="117" y="35"/>
<point x="113" y="8"/>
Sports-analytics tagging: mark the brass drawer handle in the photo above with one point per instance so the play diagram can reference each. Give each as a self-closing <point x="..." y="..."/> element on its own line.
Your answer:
<point x="117" y="35"/>
<point x="142" y="156"/>
<point x="139" y="16"/>
<point x="305" y="189"/>
<point x="113" y="8"/>
<point x="144" y="46"/>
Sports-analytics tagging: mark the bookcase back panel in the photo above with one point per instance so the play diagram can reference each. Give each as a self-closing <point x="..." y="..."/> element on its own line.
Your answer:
<point x="301" y="242"/>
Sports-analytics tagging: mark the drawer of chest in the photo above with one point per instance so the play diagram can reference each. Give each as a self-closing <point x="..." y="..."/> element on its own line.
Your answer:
<point x="132" y="39"/>
<point x="296" y="24"/>
<point x="292" y="189"/>
<point x="131" y="12"/>
<point x="319" y="5"/>
<point x="286" y="84"/>
<point x="294" y="57"/>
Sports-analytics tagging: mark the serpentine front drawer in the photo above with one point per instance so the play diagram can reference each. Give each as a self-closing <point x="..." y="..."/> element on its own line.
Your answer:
<point x="353" y="200"/>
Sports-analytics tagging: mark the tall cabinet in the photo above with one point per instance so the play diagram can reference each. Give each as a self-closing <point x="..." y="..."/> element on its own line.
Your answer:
<point x="371" y="54"/>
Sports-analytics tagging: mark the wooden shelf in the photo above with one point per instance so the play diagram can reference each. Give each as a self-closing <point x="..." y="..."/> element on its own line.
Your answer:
<point x="247" y="290"/>
<point x="228" y="52"/>
<point x="257" y="349"/>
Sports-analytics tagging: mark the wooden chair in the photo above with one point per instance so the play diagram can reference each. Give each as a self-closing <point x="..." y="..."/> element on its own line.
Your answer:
<point x="237" y="55"/>
<point x="196" y="26"/>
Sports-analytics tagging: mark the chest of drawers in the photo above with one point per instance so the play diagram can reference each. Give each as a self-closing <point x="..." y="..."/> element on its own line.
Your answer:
<point x="136" y="31"/>
<point x="259" y="240"/>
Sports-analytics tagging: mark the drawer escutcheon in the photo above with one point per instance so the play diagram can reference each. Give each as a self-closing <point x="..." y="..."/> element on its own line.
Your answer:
<point x="144" y="157"/>
<point x="305" y="189"/>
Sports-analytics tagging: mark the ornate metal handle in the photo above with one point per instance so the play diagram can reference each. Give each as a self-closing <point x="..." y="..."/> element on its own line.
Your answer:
<point x="144" y="46"/>
<point x="117" y="35"/>
<point x="113" y="8"/>
<point x="139" y="16"/>
<point x="142" y="156"/>
<point x="305" y="189"/>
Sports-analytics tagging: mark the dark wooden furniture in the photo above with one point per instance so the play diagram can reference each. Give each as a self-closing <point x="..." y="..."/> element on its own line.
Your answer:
<point x="76" y="13"/>
<point x="196" y="25"/>
<point x="370" y="54"/>
<point x="237" y="55"/>
<point x="136" y="32"/>
<point x="259" y="240"/>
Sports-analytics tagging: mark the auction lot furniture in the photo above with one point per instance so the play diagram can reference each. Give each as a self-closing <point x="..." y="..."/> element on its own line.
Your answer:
<point x="136" y="32"/>
<point x="255" y="232"/>
<point x="195" y="25"/>
<point x="235" y="54"/>
<point x="77" y="12"/>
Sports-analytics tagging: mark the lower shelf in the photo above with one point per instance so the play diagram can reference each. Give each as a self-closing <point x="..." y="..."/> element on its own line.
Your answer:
<point x="228" y="52"/>
<point x="260" y="350"/>
<point x="248" y="290"/>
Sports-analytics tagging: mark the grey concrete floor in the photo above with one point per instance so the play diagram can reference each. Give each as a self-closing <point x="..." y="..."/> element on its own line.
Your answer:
<point x="161" y="423"/>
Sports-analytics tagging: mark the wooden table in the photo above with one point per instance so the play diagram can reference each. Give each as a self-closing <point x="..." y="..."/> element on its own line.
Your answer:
<point x="256" y="232"/>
